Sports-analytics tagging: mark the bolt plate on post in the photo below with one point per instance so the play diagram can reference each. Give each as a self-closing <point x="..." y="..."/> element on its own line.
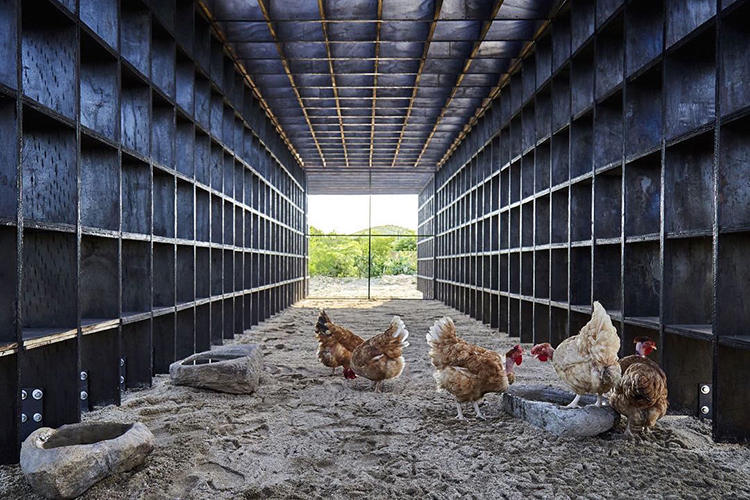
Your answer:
<point x="32" y="410"/>
<point x="705" y="400"/>
<point x="84" y="395"/>
<point x="123" y="374"/>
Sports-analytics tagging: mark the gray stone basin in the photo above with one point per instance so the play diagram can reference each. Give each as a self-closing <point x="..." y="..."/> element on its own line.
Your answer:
<point x="539" y="405"/>
<point x="65" y="462"/>
<point x="234" y="369"/>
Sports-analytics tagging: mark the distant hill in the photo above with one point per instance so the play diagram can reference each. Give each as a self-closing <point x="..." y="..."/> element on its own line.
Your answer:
<point x="389" y="230"/>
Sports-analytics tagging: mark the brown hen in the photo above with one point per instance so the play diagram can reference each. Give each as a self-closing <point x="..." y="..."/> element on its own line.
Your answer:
<point x="641" y="395"/>
<point x="468" y="371"/>
<point x="335" y="344"/>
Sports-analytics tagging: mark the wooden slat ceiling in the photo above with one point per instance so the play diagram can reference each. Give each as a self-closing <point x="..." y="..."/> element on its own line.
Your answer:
<point x="386" y="85"/>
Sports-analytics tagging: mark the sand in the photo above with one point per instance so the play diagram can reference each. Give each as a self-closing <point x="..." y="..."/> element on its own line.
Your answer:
<point x="400" y="286"/>
<point x="308" y="434"/>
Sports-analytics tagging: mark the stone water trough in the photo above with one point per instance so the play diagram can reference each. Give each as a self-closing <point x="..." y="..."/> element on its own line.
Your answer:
<point x="65" y="462"/>
<point x="234" y="369"/>
<point x="539" y="405"/>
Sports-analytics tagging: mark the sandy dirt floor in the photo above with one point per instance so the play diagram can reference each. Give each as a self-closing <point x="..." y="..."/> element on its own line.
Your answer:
<point x="399" y="286"/>
<point x="308" y="434"/>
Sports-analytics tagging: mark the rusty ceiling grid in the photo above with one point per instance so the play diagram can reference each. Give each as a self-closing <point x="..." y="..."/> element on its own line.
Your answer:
<point x="390" y="86"/>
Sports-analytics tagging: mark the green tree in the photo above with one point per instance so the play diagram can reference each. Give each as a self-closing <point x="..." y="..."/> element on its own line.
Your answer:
<point x="405" y="245"/>
<point x="343" y="256"/>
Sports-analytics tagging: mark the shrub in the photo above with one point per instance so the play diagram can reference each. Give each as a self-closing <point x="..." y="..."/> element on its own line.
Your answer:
<point x="344" y="256"/>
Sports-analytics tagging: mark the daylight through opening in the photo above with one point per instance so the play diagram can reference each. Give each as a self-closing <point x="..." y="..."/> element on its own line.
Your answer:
<point x="363" y="246"/>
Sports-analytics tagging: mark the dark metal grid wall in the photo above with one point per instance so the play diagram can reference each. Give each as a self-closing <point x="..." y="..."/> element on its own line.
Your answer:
<point x="386" y="84"/>
<point x="426" y="241"/>
<point x="148" y="208"/>
<point x="614" y="166"/>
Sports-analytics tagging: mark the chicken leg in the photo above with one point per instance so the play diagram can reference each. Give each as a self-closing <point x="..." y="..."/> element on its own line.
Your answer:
<point x="377" y="386"/>
<point x="628" y="432"/>
<point x="574" y="403"/>
<point x="460" y="415"/>
<point x="479" y="413"/>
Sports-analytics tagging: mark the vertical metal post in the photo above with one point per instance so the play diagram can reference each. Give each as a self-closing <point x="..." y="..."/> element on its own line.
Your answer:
<point x="712" y="399"/>
<point x="369" y="233"/>
<point x="12" y="456"/>
<point x="663" y="361"/>
<point x="79" y="235"/>
<point x="433" y="232"/>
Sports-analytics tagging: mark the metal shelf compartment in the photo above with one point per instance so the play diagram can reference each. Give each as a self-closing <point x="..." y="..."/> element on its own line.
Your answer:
<point x="426" y="242"/>
<point x="148" y="165"/>
<point x="621" y="177"/>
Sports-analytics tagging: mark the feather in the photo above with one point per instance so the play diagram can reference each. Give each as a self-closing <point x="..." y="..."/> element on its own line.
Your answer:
<point x="442" y="330"/>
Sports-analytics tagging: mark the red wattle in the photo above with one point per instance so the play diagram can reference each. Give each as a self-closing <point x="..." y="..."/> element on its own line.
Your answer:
<point x="518" y="360"/>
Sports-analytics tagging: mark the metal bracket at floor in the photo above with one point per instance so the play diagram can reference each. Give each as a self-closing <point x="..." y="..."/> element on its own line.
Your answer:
<point x="84" y="391"/>
<point x="123" y="374"/>
<point x="705" y="400"/>
<point x="32" y="410"/>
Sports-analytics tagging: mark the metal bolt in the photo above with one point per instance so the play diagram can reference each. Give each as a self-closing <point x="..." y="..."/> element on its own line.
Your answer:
<point x="84" y="395"/>
<point x="23" y="394"/>
<point x="122" y="379"/>
<point x="705" y="410"/>
<point x="84" y="375"/>
<point x="24" y="417"/>
<point x="705" y="389"/>
<point x="122" y="361"/>
<point x="37" y="417"/>
<point x="37" y="394"/>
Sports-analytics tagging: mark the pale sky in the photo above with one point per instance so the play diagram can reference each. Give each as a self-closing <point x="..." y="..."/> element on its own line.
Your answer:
<point x="348" y="214"/>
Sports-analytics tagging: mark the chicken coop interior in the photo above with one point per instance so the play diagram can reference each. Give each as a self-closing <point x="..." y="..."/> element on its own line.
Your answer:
<point x="156" y="158"/>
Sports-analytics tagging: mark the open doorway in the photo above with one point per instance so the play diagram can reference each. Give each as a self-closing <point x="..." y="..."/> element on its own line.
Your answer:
<point x="363" y="246"/>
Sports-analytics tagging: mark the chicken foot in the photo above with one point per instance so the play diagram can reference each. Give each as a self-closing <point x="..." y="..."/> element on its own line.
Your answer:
<point x="479" y="413"/>
<point x="600" y="401"/>
<point x="378" y="385"/>
<point x="574" y="403"/>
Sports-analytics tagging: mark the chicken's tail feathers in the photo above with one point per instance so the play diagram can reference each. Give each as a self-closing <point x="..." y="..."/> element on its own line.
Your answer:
<point x="443" y="329"/>
<point x="399" y="331"/>
<point x="599" y="317"/>
<point x="599" y="338"/>
<point x="321" y="326"/>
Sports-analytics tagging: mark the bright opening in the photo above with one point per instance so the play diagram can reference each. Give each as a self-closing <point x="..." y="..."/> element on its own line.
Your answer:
<point x="343" y="214"/>
<point x="345" y="262"/>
